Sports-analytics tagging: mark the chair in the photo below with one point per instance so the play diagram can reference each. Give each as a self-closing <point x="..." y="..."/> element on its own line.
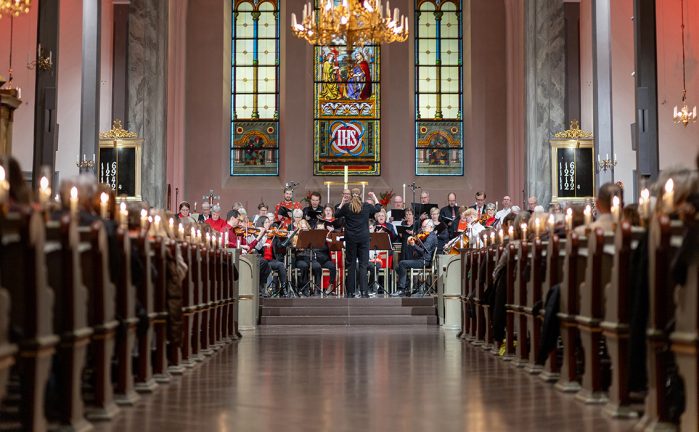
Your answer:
<point x="424" y="273"/>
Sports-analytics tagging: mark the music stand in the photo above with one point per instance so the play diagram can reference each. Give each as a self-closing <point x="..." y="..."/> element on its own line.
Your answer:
<point x="310" y="240"/>
<point x="335" y="244"/>
<point x="290" y="285"/>
<point x="379" y="242"/>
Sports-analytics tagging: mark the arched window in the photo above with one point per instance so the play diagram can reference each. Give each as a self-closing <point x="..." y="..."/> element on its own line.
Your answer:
<point x="438" y="88"/>
<point x="347" y="109"/>
<point x="255" y="88"/>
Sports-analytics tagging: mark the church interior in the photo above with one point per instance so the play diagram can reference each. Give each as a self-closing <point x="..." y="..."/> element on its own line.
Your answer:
<point x="349" y="215"/>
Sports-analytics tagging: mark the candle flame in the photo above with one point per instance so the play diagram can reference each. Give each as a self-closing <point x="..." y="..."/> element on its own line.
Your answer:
<point x="104" y="198"/>
<point x="645" y="194"/>
<point x="2" y="173"/>
<point x="73" y="193"/>
<point x="669" y="186"/>
<point x="44" y="183"/>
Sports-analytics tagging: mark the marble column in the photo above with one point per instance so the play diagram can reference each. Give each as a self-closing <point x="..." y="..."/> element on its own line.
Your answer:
<point x="545" y="90"/>
<point x="147" y="91"/>
<point x="514" y="10"/>
<point x="602" y="85"/>
<point x="90" y="94"/>
<point x="176" y="99"/>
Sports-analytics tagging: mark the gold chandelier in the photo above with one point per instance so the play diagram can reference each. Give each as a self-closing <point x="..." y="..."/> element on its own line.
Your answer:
<point x="684" y="116"/>
<point x="350" y="22"/>
<point x="14" y="7"/>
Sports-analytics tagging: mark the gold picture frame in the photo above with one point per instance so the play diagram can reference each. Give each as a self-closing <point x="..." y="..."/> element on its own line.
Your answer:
<point x="118" y="139"/>
<point x="573" y="138"/>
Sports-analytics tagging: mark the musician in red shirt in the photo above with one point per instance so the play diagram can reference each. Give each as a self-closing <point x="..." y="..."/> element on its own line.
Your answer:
<point x="289" y="205"/>
<point x="216" y="222"/>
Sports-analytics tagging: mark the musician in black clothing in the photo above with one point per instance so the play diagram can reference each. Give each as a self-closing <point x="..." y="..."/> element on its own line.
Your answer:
<point x="357" y="216"/>
<point x="424" y="250"/>
<point x="450" y="214"/>
<point x="383" y="226"/>
<point x="314" y="211"/>
<point x="409" y="227"/>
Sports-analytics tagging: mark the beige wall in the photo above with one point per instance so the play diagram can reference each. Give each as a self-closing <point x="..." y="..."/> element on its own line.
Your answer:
<point x="208" y="111"/>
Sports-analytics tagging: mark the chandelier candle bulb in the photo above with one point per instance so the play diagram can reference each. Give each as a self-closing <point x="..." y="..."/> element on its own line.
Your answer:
<point x="588" y="215"/>
<point x="208" y="240"/>
<point x="74" y="201"/>
<point x="104" y="203"/>
<point x="225" y="238"/>
<point x="669" y="196"/>
<point x="192" y="235"/>
<point x="198" y="236"/>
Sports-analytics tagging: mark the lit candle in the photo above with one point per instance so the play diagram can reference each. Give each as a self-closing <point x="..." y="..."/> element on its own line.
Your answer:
<point x="669" y="196"/>
<point x="44" y="191"/>
<point x="403" y="190"/>
<point x="180" y="231"/>
<point x="346" y="177"/>
<point x="501" y="235"/>
<point x="492" y="237"/>
<point x="4" y="186"/>
<point x="104" y="202"/>
<point x="616" y="207"/>
<point x="328" y="184"/>
<point x="569" y="219"/>
<point x="144" y="218"/>
<point x="552" y="223"/>
<point x="74" y="200"/>
<point x="523" y="227"/>
<point x="511" y="232"/>
<point x="123" y="214"/>
<point x="645" y="203"/>
<point x="156" y="225"/>
<point x="220" y="241"/>
<point x="208" y="240"/>
<point x="192" y="235"/>
<point x="198" y="236"/>
<point x="485" y="240"/>
<point x="537" y="227"/>
<point x="195" y="206"/>
<point x="588" y="215"/>
<point x="363" y="186"/>
<point x="225" y="239"/>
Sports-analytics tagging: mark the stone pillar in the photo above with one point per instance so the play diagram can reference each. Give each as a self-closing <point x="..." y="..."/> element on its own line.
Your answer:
<point x="514" y="10"/>
<point x="176" y="98"/>
<point x="147" y="93"/>
<point x="90" y="85"/>
<point x="602" y="84"/>
<point x="545" y="89"/>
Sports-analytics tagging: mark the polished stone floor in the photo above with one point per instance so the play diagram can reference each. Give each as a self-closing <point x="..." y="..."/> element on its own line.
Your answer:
<point x="387" y="378"/>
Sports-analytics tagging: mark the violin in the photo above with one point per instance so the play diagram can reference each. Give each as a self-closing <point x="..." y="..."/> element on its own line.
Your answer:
<point x="277" y="232"/>
<point x="421" y="237"/>
<point x="243" y="230"/>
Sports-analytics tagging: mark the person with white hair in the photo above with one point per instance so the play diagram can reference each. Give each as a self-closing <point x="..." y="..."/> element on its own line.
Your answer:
<point x="424" y="251"/>
<point x="216" y="222"/>
<point x="205" y="212"/>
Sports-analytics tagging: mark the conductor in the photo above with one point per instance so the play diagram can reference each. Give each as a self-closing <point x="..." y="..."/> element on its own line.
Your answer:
<point x="357" y="216"/>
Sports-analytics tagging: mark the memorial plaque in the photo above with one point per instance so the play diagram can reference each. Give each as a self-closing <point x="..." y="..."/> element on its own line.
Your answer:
<point x="119" y="163"/>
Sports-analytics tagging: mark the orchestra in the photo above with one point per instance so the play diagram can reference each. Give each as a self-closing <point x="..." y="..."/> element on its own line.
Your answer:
<point x="344" y="264"/>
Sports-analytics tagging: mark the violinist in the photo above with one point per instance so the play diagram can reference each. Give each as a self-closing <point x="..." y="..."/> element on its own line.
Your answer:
<point x="216" y="222"/>
<point x="289" y="204"/>
<point x="407" y="228"/>
<point x="440" y="228"/>
<point x="271" y="251"/>
<point x="313" y="211"/>
<point x="383" y="226"/>
<point x="236" y="241"/>
<point x="317" y="259"/>
<point x="295" y="222"/>
<point x="424" y="246"/>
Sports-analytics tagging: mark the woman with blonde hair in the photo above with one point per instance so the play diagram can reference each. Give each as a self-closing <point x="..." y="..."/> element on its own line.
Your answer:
<point x="357" y="215"/>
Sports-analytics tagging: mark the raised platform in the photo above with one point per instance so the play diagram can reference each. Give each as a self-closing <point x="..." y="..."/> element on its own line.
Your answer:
<point x="340" y="311"/>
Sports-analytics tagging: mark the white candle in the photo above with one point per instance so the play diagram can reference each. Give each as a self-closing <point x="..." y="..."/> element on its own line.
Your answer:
<point x="616" y="207"/>
<point x="156" y="224"/>
<point x="363" y="186"/>
<point x="74" y="201"/>
<point x="669" y="196"/>
<point x="501" y="235"/>
<point x="225" y="240"/>
<point x="569" y="219"/>
<point x="144" y="218"/>
<point x="180" y="231"/>
<point x="198" y="236"/>
<point x="104" y="202"/>
<point x="4" y="186"/>
<point x="346" y="177"/>
<point x="523" y="227"/>
<point x="44" y="191"/>
<point x="511" y="233"/>
<point x="552" y="223"/>
<point x="644" y="203"/>
<point x="537" y="227"/>
<point x="192" y="235"/>
<point x="588" y="215"/>
<point x="123" y="214"/>
<point x="328" y="184"/>
<point x="171" y="224"/>
<point x="403" y="190"/>
<point x="208" y="240"/>
<point x="492" y="237"/>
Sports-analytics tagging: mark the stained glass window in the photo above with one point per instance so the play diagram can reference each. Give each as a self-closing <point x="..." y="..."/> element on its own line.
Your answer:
<point x="347" y="110"/>
<point x="439" y="146"/>
<point x="255" y="88"/>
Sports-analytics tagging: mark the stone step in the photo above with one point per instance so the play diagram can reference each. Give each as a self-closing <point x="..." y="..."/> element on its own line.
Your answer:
<point x="344" y="310"/>
<point x="352" y="302"/>
<point x="351" y="320"/>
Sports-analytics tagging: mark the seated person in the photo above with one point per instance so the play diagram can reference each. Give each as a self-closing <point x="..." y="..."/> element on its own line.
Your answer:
<point x="205" y="212"/>
<point x="489" y="220"/>
<point x="272" y="252"/>
<point x="321" y="260"/>
<point x="383" y="226"/>
<point x="424" y="250"/>
<point x="216" y="222"/>
<point x="440" y="228"/>
<point x="183" y="215"/>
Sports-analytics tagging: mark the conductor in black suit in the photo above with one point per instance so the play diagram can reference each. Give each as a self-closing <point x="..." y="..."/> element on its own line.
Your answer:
<point x="357" y="215"/>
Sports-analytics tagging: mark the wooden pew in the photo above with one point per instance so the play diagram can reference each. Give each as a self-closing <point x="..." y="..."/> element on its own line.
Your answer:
<point x="520" y="299"/>
<point x="7" y="348"/>
<point x="94" y="263"/>
<point x="664" y="239"/>
<point x="196" y="307"/>
<point x="534" y="295"/>
<point x="512" y="256"/>
<point x="685" y="341"/>
<point x="488" y="285"/>
<point x="186" y="358"/>
<point x="145" y="383"/>
<point x="235" y="297"/>
<point x="474" y="301"/>
<point x="70" y="321"/>
<point x="212" y="304"/>
<point x="125" y="393"/>
<point x="573" y="273"/>
<point x="158" y="257"/>
<point x="23" y="274"/>
<point x="465" y="333"/>
<point x="615" y="326"/>
<point x="598" y="270"/>
<point x="555" y="254"/>
<point x="174" y="350"/>
<point x="205" y="299"/>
